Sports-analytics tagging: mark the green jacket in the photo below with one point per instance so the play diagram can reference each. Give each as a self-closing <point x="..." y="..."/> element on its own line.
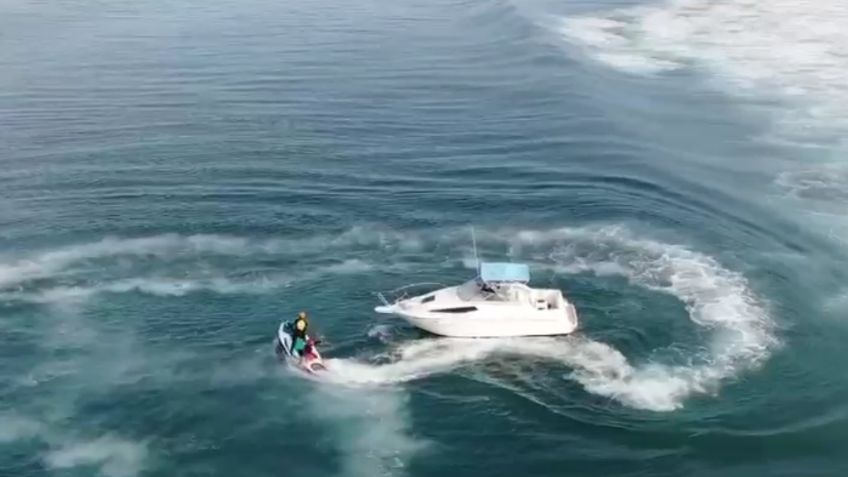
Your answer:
<point x="298" y="345"/>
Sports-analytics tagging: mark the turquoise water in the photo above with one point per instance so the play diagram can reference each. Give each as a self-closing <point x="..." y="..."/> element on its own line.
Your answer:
<point x="178" y="177"/>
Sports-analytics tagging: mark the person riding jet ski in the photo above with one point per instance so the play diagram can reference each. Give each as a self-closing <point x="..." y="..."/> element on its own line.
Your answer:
<point x="294" y="343"/>
<point x="298" y="333"/>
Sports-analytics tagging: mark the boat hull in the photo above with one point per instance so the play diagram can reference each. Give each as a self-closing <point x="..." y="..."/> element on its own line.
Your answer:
<point x="498" y="324"/>
<point x="478" y="309"/>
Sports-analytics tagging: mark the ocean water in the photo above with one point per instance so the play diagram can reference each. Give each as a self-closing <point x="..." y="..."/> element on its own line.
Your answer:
<point x="179" y="177"/>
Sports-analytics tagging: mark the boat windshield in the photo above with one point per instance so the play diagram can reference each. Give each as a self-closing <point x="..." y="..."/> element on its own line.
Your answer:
<point x="478" y="290"/>
<point x="469" y="290"/>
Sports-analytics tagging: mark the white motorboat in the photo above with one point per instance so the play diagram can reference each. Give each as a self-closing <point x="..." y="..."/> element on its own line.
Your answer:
<point x="496" y="303"/>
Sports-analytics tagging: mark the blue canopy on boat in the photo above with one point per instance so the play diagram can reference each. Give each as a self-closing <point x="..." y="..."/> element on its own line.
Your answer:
<point x="504" y="272"/>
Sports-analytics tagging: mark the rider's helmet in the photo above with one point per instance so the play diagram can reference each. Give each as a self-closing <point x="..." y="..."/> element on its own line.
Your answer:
<point x="300" y="323"/>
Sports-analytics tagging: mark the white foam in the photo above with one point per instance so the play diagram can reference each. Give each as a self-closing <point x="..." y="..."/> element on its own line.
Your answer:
<point x="826" y="183"/>
<point x="610" y="42"/>
<point x="837" y="305"/>
<point x="784" y="58"/>
<point x="351" y="266"/>
<point x="112" y="456"/>
<point x="14" y="427"/>
<point x="169" y="246"/>
<point x="373" y="429"/>
<point x="717" y="299"/>
<point x="61" y="262"/>
<point x="413" y="360"/>
<point x="170" y="287"/>
<point x="600" y="368"/>
<point x="52" y="262"/>
<point x="787" y="47"/>
<point x="382" y="332"/>
<point x="59" y="295"/>
<point x="156" y="286"/>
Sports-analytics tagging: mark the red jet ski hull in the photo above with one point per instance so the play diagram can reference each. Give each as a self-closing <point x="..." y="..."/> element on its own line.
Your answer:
<point x="311" y="362"/>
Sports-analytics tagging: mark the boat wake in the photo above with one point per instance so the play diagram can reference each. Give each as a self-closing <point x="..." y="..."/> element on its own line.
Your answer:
<point x="167" y="265"/>
<point x="784" y="47"/>
<point x="718" y="301"/>
<point x="782" y="57"/>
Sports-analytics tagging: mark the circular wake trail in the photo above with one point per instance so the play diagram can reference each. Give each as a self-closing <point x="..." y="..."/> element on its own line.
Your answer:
<point x="717" y="300"/>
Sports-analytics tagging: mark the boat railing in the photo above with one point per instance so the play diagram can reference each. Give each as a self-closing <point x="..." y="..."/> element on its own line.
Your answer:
<point x="399" y="294"/>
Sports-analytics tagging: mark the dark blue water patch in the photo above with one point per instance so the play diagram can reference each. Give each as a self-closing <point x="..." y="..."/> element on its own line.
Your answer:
<point x="23" y="461"/>
<point x="639" y="322"/>
<point x="207" y="434"/>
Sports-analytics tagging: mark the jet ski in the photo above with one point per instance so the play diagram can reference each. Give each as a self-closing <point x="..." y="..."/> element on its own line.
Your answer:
<point x="310" y="361"/>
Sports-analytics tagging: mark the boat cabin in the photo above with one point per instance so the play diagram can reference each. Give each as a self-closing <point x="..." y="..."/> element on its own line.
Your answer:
<point x="504" y="282"/>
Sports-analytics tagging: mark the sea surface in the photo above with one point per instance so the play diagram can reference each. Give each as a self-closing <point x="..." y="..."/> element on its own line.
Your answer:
<point x="178" y="177"/>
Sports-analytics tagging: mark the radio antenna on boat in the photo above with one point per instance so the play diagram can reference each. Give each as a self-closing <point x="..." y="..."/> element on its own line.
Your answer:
<point x="474" y="244"/>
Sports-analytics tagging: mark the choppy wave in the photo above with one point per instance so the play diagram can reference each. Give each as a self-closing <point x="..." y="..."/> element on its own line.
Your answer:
<point x="828" y="184"/>
<point x="112" y="456"/>
<point x="157" y="286"/>
<point x="782" y="57"/>
<point x="69" y="266"/>
<point x="14" y="427"/>
<point x="791" y="48"/>
<point x="168" y="246"/>
<point x="374" y="431"/>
